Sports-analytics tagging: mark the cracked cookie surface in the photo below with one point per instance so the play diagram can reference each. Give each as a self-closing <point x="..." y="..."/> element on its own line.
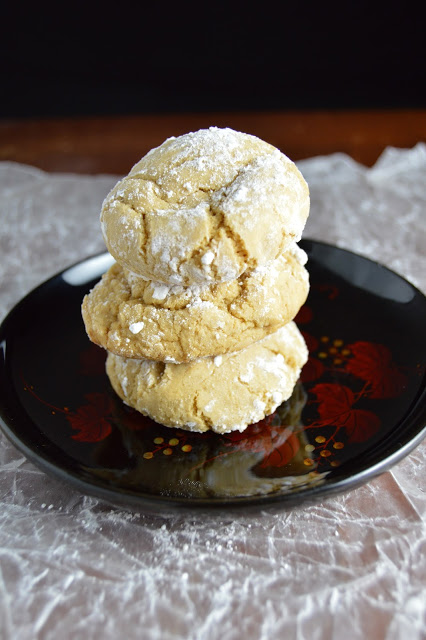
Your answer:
<point x="134" y="318"/>
<point x="222" y="393"/>
<point x="204" y="208"/>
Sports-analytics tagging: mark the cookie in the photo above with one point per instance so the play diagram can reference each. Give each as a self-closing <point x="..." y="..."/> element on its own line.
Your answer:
<point x="222" y="393"/>
<point x="204" y="208"/>
<point x="134" y="318"/>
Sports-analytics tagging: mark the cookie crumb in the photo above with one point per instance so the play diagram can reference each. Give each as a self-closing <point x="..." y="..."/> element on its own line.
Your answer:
<point x="276" y="397"/>
<point x="207" y="258"/>
<point x="160" y="291"/>
<point x="136" y="327"/>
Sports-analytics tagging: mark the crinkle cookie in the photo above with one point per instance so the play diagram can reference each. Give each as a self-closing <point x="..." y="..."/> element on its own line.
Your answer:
<point x="204" y="208"/>
<point x="134" y="318"/>
<point x="223" y="394"/>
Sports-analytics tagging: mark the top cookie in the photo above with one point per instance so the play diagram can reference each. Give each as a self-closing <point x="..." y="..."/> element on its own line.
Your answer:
<point x="205" y="207"/>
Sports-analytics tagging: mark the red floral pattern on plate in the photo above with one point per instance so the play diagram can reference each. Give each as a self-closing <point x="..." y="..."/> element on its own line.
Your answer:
<point x="373" y="363"/>
<point x="336" y="408"/>
<point x="92" y="420"/>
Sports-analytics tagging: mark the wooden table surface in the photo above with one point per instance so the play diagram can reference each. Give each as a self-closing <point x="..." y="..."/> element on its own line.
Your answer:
<point x="112" y="144"/>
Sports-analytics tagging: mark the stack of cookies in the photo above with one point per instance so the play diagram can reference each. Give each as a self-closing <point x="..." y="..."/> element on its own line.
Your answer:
<point x="196" y="314"/>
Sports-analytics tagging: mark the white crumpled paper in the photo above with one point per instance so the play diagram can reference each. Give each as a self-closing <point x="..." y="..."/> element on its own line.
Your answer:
<point x="353" y="566"/>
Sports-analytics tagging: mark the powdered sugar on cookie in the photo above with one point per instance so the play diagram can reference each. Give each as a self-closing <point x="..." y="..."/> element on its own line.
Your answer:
<point x="204" y="208"/>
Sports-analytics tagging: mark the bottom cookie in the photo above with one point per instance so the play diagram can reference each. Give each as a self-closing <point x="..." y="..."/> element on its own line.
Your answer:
<point x="222" y="394"/>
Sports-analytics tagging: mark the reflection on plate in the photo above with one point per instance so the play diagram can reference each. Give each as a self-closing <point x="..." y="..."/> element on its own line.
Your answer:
<point x="358" y="408"/>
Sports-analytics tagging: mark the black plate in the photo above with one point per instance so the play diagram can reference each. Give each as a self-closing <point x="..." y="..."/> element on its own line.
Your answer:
<point x="358" y="409"/>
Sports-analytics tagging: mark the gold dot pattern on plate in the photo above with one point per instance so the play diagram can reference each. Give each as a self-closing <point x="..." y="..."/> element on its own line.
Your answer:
<point x="333" y="349"/>
<point x="338" y="445"/>
<point x="167" y="447"/>
<point x="323" y="451"/>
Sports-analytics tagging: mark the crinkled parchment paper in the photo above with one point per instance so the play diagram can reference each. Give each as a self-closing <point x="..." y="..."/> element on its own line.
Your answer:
<point x="353" y="566"/>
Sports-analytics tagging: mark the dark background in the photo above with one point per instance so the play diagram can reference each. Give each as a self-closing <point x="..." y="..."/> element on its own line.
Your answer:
<point x="124" y="58"/>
